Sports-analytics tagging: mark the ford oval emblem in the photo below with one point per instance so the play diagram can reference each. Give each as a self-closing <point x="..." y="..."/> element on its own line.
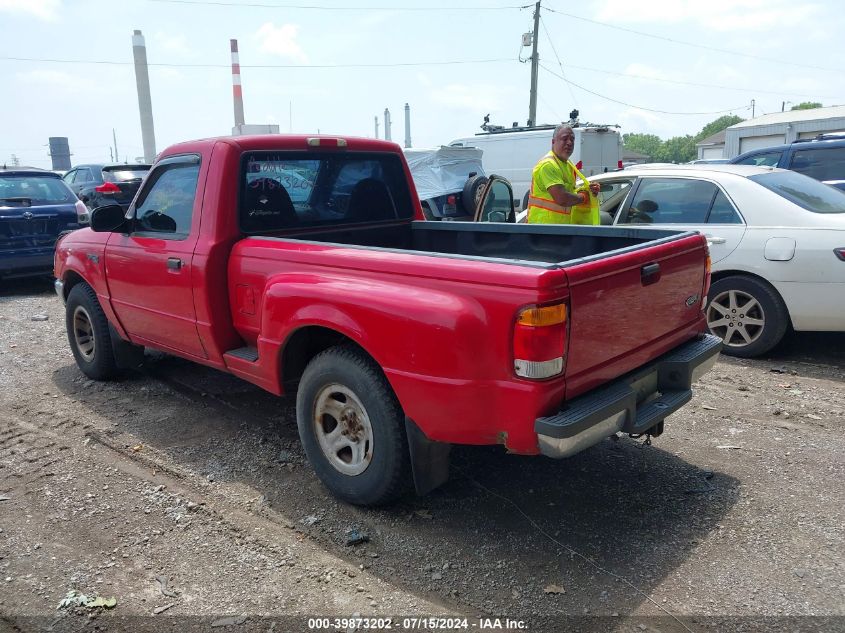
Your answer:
<point x="691" y="300"/>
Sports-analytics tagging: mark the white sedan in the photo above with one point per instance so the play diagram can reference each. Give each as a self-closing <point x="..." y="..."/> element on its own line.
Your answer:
<point x="777" y="243"/>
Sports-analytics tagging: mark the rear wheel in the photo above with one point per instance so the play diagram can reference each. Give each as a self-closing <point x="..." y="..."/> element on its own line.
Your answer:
<point x="352" y="427"/>
<point x="88" y="333"/>
<point x="747" y="314"/>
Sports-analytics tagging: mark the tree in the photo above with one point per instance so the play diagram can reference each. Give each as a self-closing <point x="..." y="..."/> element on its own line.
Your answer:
<point x="648" y="144"/>
<point x="678" y="149"/>
<point x="807" y="105"/>
<point x="722" y="123"/>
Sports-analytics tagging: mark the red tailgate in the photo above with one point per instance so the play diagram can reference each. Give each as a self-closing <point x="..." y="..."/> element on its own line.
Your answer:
<point x="629" y="308"/>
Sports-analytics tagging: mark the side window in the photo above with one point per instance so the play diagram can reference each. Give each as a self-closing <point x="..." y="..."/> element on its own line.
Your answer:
<point x="670" y="201"/>
<point x="821" y="164"/>
<point x="765" y="159"/>
<point x="82" y="175"/>
<point x="723" y="212"/>
<point x="167" y="204"/>
<point x="68" y="177"/>
<point x="611" y="197"/>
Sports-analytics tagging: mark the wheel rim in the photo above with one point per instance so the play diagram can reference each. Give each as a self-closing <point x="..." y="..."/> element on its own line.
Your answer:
<point x="737" y="317"/>
<point x="343" y="429"/>
<point x="83" y="334"/>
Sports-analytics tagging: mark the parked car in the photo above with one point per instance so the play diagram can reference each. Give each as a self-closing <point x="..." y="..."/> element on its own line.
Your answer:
<point x="448" y="180"/>
<point x="709" y="161"/>
<point x="35" y="208"/>
<point x="397" y="337"/>
<point x="777" y="243"/>
<point x="822" y="158"/>
<point x="99" y="185"/>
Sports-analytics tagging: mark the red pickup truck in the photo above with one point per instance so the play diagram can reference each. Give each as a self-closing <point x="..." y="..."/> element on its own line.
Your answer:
<point x="302" y="265"/>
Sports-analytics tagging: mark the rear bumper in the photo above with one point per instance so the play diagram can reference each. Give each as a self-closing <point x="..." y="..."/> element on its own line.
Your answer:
<point x="632" y="404"/>
<point x="26" y="262"/>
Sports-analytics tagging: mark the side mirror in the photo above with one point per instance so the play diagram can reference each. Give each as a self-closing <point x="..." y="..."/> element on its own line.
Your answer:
<point x="108" y="218"/>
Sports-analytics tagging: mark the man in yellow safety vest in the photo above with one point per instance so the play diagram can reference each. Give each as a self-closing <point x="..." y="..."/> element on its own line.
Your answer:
<point x="553" y="182"/>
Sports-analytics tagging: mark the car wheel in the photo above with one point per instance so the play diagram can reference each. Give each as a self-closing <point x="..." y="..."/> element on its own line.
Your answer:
<point x="747" y="314"/>
<point x="88" y="333"/>
<point x="471" y="195"/>
<point x="353" y="428"/>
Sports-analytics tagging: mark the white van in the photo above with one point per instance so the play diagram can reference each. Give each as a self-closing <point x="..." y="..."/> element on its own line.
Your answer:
<point x="513" y="152"/>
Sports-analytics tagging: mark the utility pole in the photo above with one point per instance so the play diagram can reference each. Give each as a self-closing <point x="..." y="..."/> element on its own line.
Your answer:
<point x="114" y="136"/>
<point x="535" y="62"/>
<point x="375" y="120"/>
<point x="752" y="108"/>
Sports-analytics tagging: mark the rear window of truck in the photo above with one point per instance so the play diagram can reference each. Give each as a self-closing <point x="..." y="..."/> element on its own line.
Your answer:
<point x="282" y="190"/>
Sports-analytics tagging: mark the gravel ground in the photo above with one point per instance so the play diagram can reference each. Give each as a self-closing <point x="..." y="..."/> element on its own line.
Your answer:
<point x="183" y="493"/>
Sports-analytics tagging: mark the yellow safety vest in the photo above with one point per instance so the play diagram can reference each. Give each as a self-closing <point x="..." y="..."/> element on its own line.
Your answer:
<point x="542" y="208"/>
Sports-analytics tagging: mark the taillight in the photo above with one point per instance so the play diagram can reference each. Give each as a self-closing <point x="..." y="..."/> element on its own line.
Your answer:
<point x="539" y="341"/>
<point x="450" y="200"/>
<point x="108" y="187"/>
<point x="840" y="253"/>
<point x="707" y="269"/>
<point x="619" y="165"/>
<point x="81" y="212"/>
<point x="580" y="164"/>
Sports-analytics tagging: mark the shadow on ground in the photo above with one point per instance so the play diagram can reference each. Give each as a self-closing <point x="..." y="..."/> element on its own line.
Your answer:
<point x="507" y="535"/>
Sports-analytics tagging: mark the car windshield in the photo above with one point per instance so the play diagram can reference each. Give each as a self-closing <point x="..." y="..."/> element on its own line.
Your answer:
<point x="804" y="191"/>
<point x="122" y="175"/>
<point x="26" y="190"/>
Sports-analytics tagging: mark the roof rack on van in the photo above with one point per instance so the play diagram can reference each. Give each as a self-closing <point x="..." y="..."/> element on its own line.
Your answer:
<point x="821" y="137"/>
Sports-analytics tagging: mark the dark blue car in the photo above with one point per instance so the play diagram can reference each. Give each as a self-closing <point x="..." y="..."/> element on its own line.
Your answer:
<point x="35" y="208"/>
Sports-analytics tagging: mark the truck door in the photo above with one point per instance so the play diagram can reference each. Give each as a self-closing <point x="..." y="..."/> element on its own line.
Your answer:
<point x="149" y="270"/>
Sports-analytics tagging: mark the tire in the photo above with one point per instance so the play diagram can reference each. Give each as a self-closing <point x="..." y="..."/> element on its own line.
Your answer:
<point x="352" y="428"/>
<point x="470" y="197"/>
<point x="747" y="314"/>
<point x="88" y="333"/>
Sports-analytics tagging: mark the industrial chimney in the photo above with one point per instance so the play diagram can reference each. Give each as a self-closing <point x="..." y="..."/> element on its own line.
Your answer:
<point x="407" y="125"/>
<point x="145" y="103"/>
<point x="237" y="91"/>
<point x="375" y="118"/>
<point x="387" y="125"/>
<point x="60" y="152"/>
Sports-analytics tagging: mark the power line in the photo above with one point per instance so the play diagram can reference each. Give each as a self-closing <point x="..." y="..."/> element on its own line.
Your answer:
<point x="630" y="105"/>
<point x="690" y="83"/>
<point x="314" y="7"/>
<point x="559" y="63"/>
<point x="693" y="44"/>
<point x="288" y="66"/>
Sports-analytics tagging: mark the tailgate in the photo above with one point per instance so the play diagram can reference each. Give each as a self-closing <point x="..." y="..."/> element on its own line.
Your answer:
<point x="629" y="307"/>
<point x="34" y="226"/>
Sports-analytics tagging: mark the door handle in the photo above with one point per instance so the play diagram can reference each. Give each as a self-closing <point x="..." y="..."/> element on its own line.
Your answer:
<point x="650" y="273"/>
<point x="174" y="263"/>
<point x="716" y="240"/>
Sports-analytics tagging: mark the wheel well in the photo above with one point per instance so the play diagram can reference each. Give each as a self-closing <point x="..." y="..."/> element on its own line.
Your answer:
<point x="70" y="280"/>
<point x="304" y="345"/>
<point x="722" y="274"/>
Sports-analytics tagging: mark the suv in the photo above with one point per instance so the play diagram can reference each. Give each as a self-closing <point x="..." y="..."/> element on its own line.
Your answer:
<point x="822" y="158"/>
<point x="36" y="207"/>
<point x="99" y="185"/>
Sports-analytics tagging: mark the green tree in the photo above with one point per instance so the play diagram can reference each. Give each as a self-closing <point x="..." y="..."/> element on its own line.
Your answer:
<point x="678" y="149"/>
<point x="648" y="144"/>
<point x="722" y="123"/>
<point x="807" y="105"/>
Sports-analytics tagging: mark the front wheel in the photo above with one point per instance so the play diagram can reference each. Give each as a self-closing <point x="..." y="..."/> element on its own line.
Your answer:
<point x="352" y="428"/>
<point x="88" y="333"/>
<point x="747" y="314"/>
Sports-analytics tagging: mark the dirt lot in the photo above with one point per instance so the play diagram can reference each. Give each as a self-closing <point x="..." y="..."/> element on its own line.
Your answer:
<point x="183" y="493"/>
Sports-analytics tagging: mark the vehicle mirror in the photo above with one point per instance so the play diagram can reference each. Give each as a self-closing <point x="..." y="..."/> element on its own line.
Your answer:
<point x="108" y="218"/>
<point x="496" y="204"/>
<point x="605" y="187"/>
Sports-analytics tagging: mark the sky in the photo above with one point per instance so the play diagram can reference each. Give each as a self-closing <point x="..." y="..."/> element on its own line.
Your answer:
<point x="650" y="66"/>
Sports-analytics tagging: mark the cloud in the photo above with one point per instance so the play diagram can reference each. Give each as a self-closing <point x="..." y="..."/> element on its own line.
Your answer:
<point x="281" y="41"/>
<point x="53" y="79"/>
<point x="173" y="43"/>
<point x="716" y="15"/>
<point x="475" y="98"/>
<point x="41" y="9"/>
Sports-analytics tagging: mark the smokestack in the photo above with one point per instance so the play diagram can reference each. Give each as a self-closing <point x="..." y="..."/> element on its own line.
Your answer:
<point x="407" y="125"/>
<point x="387" y="125"/>
<point x="145" y="102"/>
<point x="375" y="118"/>
<point x="237" y="92"/>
